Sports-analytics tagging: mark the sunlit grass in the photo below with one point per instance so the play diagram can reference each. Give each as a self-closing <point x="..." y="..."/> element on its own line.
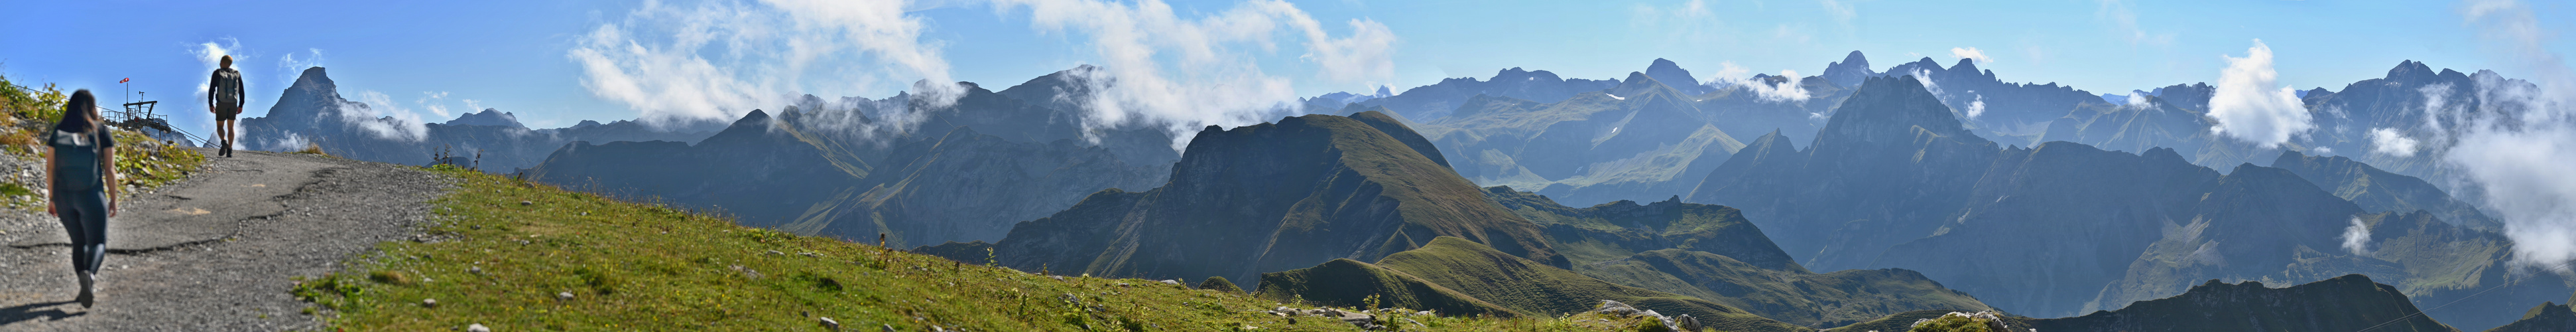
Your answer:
<point x="510" y="250"/>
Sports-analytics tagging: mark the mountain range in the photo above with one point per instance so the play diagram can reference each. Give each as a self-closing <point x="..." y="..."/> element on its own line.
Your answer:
<point x="312" y="112"/>
<point x="965" y="172"/>
<point x="2062" y="228"/>
<point x="1918" y="185"/>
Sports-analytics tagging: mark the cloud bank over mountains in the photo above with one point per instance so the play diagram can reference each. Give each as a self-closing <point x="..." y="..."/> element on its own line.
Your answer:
<point x="1155" y="66"/>
<point x="1159" y="68"/>
<point x="2516" y="150"/>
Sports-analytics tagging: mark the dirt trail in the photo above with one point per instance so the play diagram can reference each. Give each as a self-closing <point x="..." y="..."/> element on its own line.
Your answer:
<point x="215" y="252"/>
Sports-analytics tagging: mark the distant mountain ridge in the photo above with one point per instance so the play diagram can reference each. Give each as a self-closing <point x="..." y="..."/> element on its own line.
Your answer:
<point x="1894" y="182"/>
<point x="964" y="172"/>
<point x="312" y="112"/>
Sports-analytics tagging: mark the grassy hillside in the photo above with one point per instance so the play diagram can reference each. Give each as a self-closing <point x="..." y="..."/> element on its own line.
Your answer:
<point x="1350" y="283"/>
<point x="1711" y="252"/>
<point x="27" y="116"/>
<point x="506" y="250"/>
<point x="1482" y="274"/>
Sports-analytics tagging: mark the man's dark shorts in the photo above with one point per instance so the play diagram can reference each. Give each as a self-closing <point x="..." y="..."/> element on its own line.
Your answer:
<point x="227" y="116"/>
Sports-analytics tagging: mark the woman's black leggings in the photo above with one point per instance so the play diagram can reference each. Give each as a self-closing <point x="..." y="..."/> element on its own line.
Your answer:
<point x="84" y="214"/>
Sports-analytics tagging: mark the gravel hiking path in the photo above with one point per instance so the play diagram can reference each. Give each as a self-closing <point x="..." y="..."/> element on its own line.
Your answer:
<point x="218" y="251"/>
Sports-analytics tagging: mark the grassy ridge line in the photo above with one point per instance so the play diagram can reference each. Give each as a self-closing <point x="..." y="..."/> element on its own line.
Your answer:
<point x="633" y="266"/>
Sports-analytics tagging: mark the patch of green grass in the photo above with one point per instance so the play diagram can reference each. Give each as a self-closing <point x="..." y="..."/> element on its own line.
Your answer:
<point x="640" y="267"/>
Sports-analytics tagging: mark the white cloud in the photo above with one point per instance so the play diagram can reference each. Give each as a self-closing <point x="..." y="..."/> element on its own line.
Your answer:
<point x="1731" y="76"/>
<point x="288" y="142"/>
<point x="719" y="60"/>
<point x="1976" y="107"/>
<point x="2356" y="239"/>
<point x="434" y="101"/>
<point x="289" y="67"/>
<point x="1158" y="68"/>
<point x="2139" y="100"/>
<point x="1971" y="53"/>
<point x="380" y="116"/>
<point x="1842" y="12"/>
<point x="2124" y="22"/>
<point x="2246" y="106"/>
<point x="1691" y="22"/>
<point x="1784" y="33"/>
<point x="2388" y="141"/>
<point x="2517" y="147"/>
<point x="1926" y="76"/>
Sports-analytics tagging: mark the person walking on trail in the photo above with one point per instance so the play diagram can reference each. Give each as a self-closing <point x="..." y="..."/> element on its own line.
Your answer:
<point x="224" y="97"/>
<point x="83" y="181"/>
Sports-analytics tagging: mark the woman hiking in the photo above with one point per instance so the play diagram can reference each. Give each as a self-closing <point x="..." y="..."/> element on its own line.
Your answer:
<point x="82" y="166"/>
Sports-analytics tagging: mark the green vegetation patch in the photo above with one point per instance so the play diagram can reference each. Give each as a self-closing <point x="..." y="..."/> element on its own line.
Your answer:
<point x="575" y="261"/>
<point x="26" y="118"/>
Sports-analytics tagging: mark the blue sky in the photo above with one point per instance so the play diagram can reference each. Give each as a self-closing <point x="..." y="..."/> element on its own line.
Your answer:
<point x="429" y="58"/>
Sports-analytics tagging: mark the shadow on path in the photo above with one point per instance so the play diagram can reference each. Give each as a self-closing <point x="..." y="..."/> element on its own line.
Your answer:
<point x="28" y="312"/>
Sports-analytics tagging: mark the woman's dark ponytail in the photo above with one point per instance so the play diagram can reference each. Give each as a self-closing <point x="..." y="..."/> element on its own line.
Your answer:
<point x="80" y="114"/>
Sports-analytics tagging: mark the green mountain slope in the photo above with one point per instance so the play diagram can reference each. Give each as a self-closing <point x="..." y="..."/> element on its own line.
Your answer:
<point x="1524" y="286"/>
<point x="1713" y="253"/>
<point x="1271" y="197"/>
<point x="1349" y="283"/>
<point x="2546" y="317"/>
<point x="2381" y="191"/>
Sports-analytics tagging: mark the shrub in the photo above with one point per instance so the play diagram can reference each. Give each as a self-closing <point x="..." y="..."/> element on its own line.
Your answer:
<point x="1220" y="284"/>
<point x="1962" y="322"/>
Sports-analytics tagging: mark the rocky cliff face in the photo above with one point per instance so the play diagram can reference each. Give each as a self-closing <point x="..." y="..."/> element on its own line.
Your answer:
<point x="1850" y="72"/>
<point x="1272" y="197"/>
<point x="2015" y="112"/>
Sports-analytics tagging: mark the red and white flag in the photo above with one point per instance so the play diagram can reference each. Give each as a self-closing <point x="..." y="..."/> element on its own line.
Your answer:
<point x="128" y="79"/>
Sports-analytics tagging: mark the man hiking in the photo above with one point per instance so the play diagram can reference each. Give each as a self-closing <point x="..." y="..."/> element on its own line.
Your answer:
<point x="224" y="97"/>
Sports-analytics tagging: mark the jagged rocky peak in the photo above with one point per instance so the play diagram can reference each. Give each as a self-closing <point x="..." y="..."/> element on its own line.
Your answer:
<point x="1850" y="71"/>
<point x="490" y="117"/>
<point x="1636" y="84"/>
<point x="1965" y="63"/>
<point x="1887" y="108"/>
<point x="1673" y="75"/>
<point x="314" y="78"/>
<point x="2408" y="70"/>
<point x="1518" y="74"/>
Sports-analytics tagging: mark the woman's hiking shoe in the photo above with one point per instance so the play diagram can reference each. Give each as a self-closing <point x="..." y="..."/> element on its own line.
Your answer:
<point x="88" y="283"/>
